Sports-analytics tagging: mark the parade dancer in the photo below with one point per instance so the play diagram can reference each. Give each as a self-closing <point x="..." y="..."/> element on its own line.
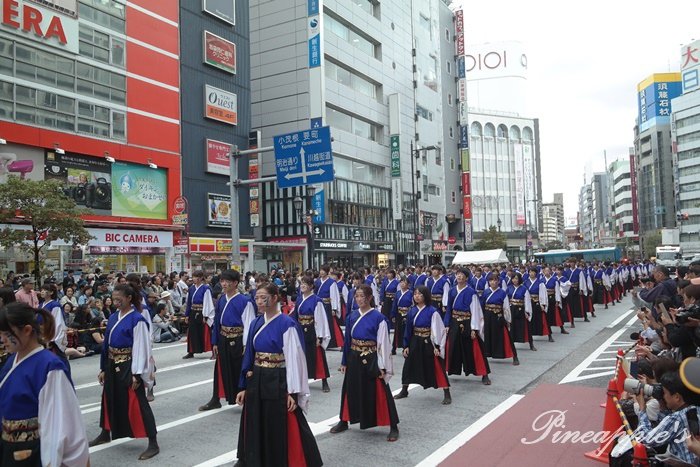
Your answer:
<point x="564" y="289"/>
<point x="439" y="288"/>
<point x="576" y="292"/>
<point x="50" y="303"/>
<point x="521" y="311"/>
<point x="464" y="350"/>
<point x="402" y="303"/>
<point x="420" y="277"/>
<point x="343" y="293"/>
<point x="275" y="391"/>
<point x="311" y="315"/>
<point x="424" y="348"/>
<point x="366" y="363"/>
<point x="588" y="295"/>
<point x="387" y="292"/>
<point x="234" y="313"/>
<point x="498" y="342"/>
<point x="124" y="372"/>
<point x="539" y="326"/>
<point x="370" y="280"/>
<point x="327" y="290"/>
<point x="601" y="286"/>
<point x="556" y="315"/>
<point x="199" y="316"/>
<point x="41" y="420"/>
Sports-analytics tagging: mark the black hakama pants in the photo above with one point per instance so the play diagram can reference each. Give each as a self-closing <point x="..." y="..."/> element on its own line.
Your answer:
<point x="366" y="398"/>
<point x="538" y="324"/>
<point x="520" y="326"/>
<point x="599" y="297"/>
<point x="269" y="435"/>
<point x="437" y="304"/>
<point x="399" y="330"/>
<point x="386" y="308"/>
<point x="125" y="411"/>
<point x="198" y="333"/>
<point x="575" y="302"/>
<point x="422" y="366"/>
<point x="556" y="316"/>
<point x="227" y="368"/>
<point x="334" y="326"/>
<point x="464" y="354"/>
<point x="497" y="339"/>
<point x="316" y="362"/>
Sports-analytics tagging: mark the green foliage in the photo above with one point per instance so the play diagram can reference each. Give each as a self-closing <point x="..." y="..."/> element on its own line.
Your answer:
<point x="651" y="241"/>
<point x="44" y="215"/>
<point x="555" y="245"/>
<point x="492" y="240"/>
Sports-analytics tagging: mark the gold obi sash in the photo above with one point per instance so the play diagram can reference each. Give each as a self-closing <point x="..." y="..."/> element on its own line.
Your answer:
<point x="231" y="332"/>
<point x="20" y="431"/>
<point x="119" y="355"/>
<point x="461" y="315"/>
<point x="421" y="332"/>
<point x="269" y="360"/>
<point x="364" y="347"/>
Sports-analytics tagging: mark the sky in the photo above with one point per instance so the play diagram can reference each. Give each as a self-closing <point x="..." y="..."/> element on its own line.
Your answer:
<point x="585" y="60"/>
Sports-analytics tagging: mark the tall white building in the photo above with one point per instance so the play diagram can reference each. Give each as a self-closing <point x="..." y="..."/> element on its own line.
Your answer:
<point x="685" y="135"/>
<point x="622" y="202"/>
<point x="553" y="221"/>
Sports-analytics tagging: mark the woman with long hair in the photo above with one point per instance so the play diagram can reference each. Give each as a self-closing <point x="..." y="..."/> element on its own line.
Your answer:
<point x="50" y="303"/>
<point x="424" y="347"/>
<point x="274" y="431"/>
<point x="366" y="363"/>
<point x="41" y="420"/>
<point x="124" y="373"/>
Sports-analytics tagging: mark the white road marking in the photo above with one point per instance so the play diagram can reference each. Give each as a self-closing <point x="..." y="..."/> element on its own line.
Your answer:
<point x="461" y="439"/>
<point x="575" y="374"/>
<point x="158" y="371"/>
<point x="620" y="318"/>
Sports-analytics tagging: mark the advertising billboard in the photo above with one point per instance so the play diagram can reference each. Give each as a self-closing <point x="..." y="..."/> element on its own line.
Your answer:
<point x="220" y="105"/>
<point x="519" y="185"/>
<point x="219" y="208"/>
<point x="654" y="96"/>
<point x="690" y="67"/>
<point x="218" y="157"/>
<point x="225" y="10"/>
<point x="219" y="53"/>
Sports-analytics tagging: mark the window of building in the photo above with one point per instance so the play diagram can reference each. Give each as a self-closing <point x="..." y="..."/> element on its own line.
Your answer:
<point x="447" y="35"/>
<point x="430" y="75"/>
<point x="424" y="22"/>
<point x="453" y="197"/>
<point x="351" y="36"/>
<point x="449" y="99"/>
<point x="684" y="122"/>
<point x="434" y="190"/>
<point x="438" y="156"/>
<point x="452" y="133"/>
<point x="102" y="47"/>
<point x="107" y="13"/>
<point x="422" y="112"/>
<point x="352" y="124"/>
<point x="452" y="163"/>
<point x="351" y="79"/>
<point x="366" y="5"/>
<point x="449" y="67"/>
<point x="689" y="138"/>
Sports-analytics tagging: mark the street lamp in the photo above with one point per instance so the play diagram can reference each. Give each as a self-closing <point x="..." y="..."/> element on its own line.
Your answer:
<point x="307" y="217"/>
<point x="527" y="226"/>
<point x="415" y="154"/>
<point x="498" y="223"/>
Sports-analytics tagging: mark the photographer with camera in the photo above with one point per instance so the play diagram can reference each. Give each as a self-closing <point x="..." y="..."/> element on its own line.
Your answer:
<point x="682" y="327"/>
<point x="672" y="430"/>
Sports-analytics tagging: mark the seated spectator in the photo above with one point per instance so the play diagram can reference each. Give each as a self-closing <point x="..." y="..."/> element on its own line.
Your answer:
<point x="85" y="296"/>
<point x="162" y="330"/>
<point x="69" y="297"/>
<point x="97" y="310"/>
<point x="93" y="338"/>
<point x="109" y="306"/>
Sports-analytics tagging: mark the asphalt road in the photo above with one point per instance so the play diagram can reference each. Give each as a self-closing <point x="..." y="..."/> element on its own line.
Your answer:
<point x="191" y="438"/>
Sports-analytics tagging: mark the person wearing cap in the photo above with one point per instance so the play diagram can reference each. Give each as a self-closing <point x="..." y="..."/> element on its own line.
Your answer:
<point x="464" y="319"/>
<point x="233" y="315"/>
<point x="166" y="299"/>
<point x="27" y="294"/>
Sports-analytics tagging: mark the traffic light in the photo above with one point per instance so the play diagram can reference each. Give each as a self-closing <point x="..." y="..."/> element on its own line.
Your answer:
<point x="682" y="216"/>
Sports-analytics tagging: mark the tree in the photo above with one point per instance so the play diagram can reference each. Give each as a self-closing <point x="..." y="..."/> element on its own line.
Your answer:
<point x="555" y="245"/>
<point x="39" y="213"/>
<point x="651" y="241"/>
<point x="492" y="240"/>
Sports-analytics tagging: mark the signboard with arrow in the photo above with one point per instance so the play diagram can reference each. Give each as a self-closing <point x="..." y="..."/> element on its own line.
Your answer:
<point x="304" y="157"/>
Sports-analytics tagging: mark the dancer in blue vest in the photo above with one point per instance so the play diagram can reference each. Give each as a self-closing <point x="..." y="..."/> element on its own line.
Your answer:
<point x="539" y="326"/>
<point x="367" y="365"/>
<point x="387" y="292"/>
<point x="421" y="277"/>
<point x="275" y="391"/>
<point x="234" y="313"/>
<point x="498" y="342"/>
<point x="311" y="315"/>
<point x="424" y="348"/>
<point x="199" y="316"/>
<point x="439" y="288"/>
<point x="464" y="319"/>
<point x="399" y="310"/>
<point x="601" y="286"/>
<point x="327" y="290"/>
<point x="577" y="292"/>
<point x="125" y="368"/>
<point x="41" y="420"/>
<point x="556" y="315"/>
<point x="50" y="303"/>
<point x="521" y="311"/>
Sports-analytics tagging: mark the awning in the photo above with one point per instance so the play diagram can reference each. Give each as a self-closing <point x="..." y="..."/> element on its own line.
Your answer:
<point x="464" y="258"/>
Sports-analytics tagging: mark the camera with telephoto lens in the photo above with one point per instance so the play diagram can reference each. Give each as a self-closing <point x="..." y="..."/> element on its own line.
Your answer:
<point x="99" y="194"/>
<point x="77" y="193"/>
<point x="634" y="386"/>
<point x="691" y="312"/>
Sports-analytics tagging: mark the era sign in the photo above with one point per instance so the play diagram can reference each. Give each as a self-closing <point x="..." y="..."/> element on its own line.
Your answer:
<point x="40" y="24"/>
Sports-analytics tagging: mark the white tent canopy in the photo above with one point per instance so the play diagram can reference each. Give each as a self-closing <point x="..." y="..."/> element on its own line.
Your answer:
<point x="464" y="258"/>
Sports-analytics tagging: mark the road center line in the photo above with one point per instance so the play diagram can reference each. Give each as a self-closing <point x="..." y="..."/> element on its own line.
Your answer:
<point x="158" y="371"/>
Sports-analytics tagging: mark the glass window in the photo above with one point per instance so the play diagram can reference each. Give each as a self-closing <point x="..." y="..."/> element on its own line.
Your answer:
<point x="339" y="120"/>
<point x="449" y="67"/>
<point x="452" y="133"/>
<point x="349" y="35"/>
<point x="365" y="5"/>
<point x="447" y="35"/>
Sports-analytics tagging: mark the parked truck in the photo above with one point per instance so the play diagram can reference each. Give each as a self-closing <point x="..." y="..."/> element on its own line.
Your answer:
<point x="670" y="253"/>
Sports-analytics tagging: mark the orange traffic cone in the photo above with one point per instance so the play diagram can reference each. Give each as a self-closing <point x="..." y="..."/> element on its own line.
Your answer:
<point x="611" y="426"/>
<point x="639" y="456"/>
<point x="618" y="370"/>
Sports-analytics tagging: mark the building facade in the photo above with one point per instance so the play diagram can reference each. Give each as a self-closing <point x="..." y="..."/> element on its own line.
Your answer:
<point x="89" y="96"/>
<point x="622" y="203"/>
<point x="594" y="212"/>
<point x="652" y="151"/>
<point x="553" y="221"/>
<point x="686" y="148"/>
<point x="352" y="67"/>
<point x="505" y="174"/>
<point x="215" y="102"/>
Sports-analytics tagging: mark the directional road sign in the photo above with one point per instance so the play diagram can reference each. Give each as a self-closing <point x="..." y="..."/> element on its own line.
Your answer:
<point x="304" y="158"/>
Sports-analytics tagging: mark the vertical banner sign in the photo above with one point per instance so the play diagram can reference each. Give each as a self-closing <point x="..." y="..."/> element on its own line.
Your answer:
<point x="633" y="188"/>
<point x="314" y="23"/>
<point x="468" y="238"/>
<point x="529" y="180"/>
<point x="519" y="185"/>
<point x="459" y="27"/>
<point x="318" y="204"/>
<point x="396" y="188"/>
<point x="253" y="173"/>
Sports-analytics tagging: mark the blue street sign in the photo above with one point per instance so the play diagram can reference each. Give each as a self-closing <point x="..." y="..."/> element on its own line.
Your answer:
<point x="316" y="123"/>
<point x="304" y="158"/>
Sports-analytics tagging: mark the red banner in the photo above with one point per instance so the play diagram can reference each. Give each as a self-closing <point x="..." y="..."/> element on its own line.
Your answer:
<point x="466" y="184"/>
<point x="467" y="207"/>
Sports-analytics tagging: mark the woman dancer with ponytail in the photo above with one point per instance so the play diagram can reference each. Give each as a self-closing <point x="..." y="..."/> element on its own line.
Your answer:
<point x="124" y="368"/>
<point x="41" y="421"/>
